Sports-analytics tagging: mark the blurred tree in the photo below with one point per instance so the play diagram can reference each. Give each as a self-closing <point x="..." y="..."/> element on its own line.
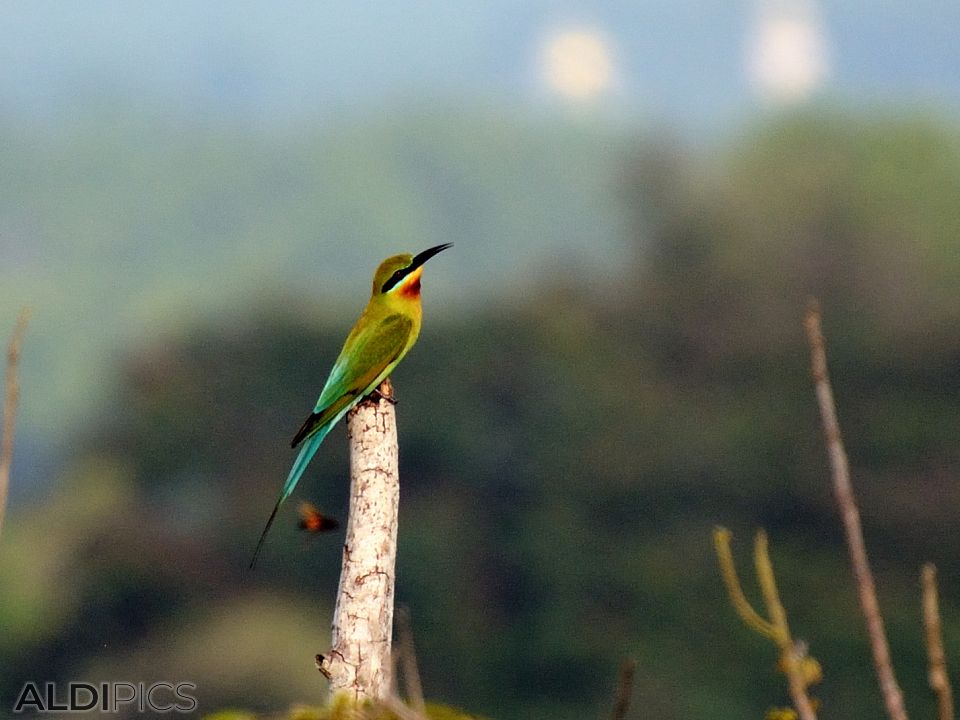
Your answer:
<point x="563" y="456"/>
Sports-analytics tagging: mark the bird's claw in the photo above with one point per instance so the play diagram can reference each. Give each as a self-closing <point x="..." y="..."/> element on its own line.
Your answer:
<point x="377" y="395"/>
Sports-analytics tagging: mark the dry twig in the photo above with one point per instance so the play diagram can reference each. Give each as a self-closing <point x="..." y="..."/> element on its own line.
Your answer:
<point x="11" y="400"/>
<point x="937" y="674"/>
<point x="843" y="491"/>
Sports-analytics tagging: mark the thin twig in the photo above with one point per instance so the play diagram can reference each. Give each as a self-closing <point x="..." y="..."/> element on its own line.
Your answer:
<point x="408" y="660"/>
<point x="937" y="675"/>
<point x="796" y="682"/>
<point x="11" y="400"/>
<point x="728" y="570"/>
<point x="800" y="669"/>
<point x="843" y="491"/>
<point x="621" y="702"/>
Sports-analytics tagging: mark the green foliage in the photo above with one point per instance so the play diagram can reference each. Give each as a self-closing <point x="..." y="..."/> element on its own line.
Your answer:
<point x="121" y="226"/>
<point x="563" y="454"/>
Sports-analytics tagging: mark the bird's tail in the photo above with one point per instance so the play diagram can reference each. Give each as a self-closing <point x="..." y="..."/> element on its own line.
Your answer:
<point x="306" y="454"/>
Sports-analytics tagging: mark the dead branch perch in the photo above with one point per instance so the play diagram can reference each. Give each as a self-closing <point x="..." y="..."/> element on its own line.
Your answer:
<point x="843" y="491"/>
<point x="359" y="664"/>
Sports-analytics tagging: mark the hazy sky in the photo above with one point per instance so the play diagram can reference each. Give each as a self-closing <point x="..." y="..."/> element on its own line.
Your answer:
<point x="683" y="60"/>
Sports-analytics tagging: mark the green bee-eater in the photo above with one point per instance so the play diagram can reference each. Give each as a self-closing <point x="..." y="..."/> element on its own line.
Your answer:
<point x="386" y="330"/>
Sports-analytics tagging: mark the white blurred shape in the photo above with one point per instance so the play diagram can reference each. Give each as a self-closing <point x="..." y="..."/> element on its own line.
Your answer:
<point x="577" y="64"/>
<point x="788" y="59"/>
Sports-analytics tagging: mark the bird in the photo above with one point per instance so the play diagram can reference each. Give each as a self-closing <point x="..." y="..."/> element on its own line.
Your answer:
<point x="313" y="521"/>
<point x="388" y="327"/>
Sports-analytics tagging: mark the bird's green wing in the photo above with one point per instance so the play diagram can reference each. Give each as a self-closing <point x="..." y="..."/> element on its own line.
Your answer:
<point x="365" y="360"/>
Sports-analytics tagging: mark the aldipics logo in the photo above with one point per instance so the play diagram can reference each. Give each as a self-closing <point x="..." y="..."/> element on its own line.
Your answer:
<point x="110" y="697"/>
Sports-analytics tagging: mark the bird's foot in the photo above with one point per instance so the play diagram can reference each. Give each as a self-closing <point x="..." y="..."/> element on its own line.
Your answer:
<point x="377" y="395"/>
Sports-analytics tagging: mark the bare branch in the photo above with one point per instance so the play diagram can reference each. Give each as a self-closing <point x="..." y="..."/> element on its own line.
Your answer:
<point x="843" y="491"/>
<point x="12" y="398"/>
<point x="937" y="675"/>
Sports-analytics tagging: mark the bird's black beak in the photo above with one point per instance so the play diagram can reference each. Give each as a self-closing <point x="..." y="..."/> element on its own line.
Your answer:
<point x="420" y="258"/>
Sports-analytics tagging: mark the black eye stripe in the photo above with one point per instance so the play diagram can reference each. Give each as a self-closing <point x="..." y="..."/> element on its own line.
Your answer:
<point x="394" y="279"/>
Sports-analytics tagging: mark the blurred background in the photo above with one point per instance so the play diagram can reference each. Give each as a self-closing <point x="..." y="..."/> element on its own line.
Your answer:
<point x="194" y="197"/>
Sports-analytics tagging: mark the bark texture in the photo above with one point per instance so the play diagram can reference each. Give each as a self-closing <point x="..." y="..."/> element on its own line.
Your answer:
<point x="359" y="663"/>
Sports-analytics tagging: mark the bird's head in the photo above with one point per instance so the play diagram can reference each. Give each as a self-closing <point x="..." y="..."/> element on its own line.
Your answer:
<point x="400" y="274"/>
